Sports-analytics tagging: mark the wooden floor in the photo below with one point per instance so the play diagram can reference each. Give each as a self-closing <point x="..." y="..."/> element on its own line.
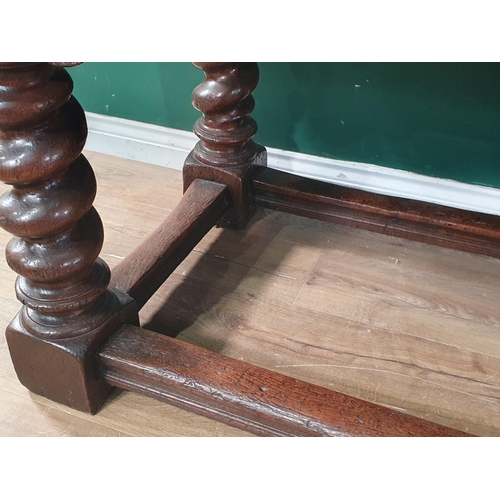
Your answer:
<point x="403" y="324"/>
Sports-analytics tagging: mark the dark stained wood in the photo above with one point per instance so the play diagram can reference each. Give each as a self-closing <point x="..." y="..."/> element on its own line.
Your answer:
<point x="142" y="272"/>
<point x="226" y="152"/>
<point x="243" y="395"/>
<point x="414" y="220"/>
<point x="68" y="309"/>
<point x="66" y="369"/>
<point x="70" y="312"/>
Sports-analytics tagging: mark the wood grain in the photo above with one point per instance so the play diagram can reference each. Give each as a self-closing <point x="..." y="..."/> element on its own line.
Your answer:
<point x="67" y="308"/>
<point x="420" y="221"/>
<point x="142" y="272"/>
<point x="256" y="312"/>
<point x="244" y="395"/>
<point x="239" y="295"/>
<point x="226" y="152"/>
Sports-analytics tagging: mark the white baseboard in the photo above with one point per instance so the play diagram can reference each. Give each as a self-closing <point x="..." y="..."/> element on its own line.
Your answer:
<point x="169" y="147"/>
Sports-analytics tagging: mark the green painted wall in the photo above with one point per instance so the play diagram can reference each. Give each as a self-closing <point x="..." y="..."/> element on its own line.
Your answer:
<point x="436" y="119"/>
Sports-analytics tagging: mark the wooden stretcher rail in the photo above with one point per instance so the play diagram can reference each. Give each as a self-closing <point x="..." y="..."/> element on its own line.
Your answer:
<point x="414" y="220"/>
<point x="243" y="395"/>
<point x="143" y="271"/>
<point x="73" y="341"/>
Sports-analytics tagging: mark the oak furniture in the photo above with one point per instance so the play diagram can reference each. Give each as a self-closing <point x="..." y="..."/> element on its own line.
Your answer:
<point x="77" y="335"/>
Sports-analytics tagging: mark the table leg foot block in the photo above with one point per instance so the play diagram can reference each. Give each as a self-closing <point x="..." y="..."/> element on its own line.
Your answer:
<point x="66" y="369"/>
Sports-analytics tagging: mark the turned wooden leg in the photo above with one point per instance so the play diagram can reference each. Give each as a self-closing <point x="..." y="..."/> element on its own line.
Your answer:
<point x="68" y="310"/>
<point x="226" y="152"/>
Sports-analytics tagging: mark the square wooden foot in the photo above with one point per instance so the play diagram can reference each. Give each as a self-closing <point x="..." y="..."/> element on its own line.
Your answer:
<point x="66" y="370"/>
<point x="238" y="179"/>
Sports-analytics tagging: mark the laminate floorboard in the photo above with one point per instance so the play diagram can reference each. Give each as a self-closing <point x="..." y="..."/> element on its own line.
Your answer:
<point x="404" y="324"/>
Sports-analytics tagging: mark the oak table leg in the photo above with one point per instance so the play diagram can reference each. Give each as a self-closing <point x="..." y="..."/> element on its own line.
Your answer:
<point x="68" y="310"/>
<point x="226" y="152"/>
<point x="74" y="338"/>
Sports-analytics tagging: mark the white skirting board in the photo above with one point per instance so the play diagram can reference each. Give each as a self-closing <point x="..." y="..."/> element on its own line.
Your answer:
<point x="169" y="147"/>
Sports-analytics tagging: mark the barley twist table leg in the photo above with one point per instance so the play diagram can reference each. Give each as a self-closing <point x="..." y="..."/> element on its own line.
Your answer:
<point x="68" y="310"/>
<point x="226" y="152"/>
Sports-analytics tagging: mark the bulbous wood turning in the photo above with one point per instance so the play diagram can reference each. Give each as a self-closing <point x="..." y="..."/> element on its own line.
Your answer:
<point x="225" y="99"/>
<point x="57" y="233"/>
<point x="226" y="152"/>
<point x="68" y="310"/>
